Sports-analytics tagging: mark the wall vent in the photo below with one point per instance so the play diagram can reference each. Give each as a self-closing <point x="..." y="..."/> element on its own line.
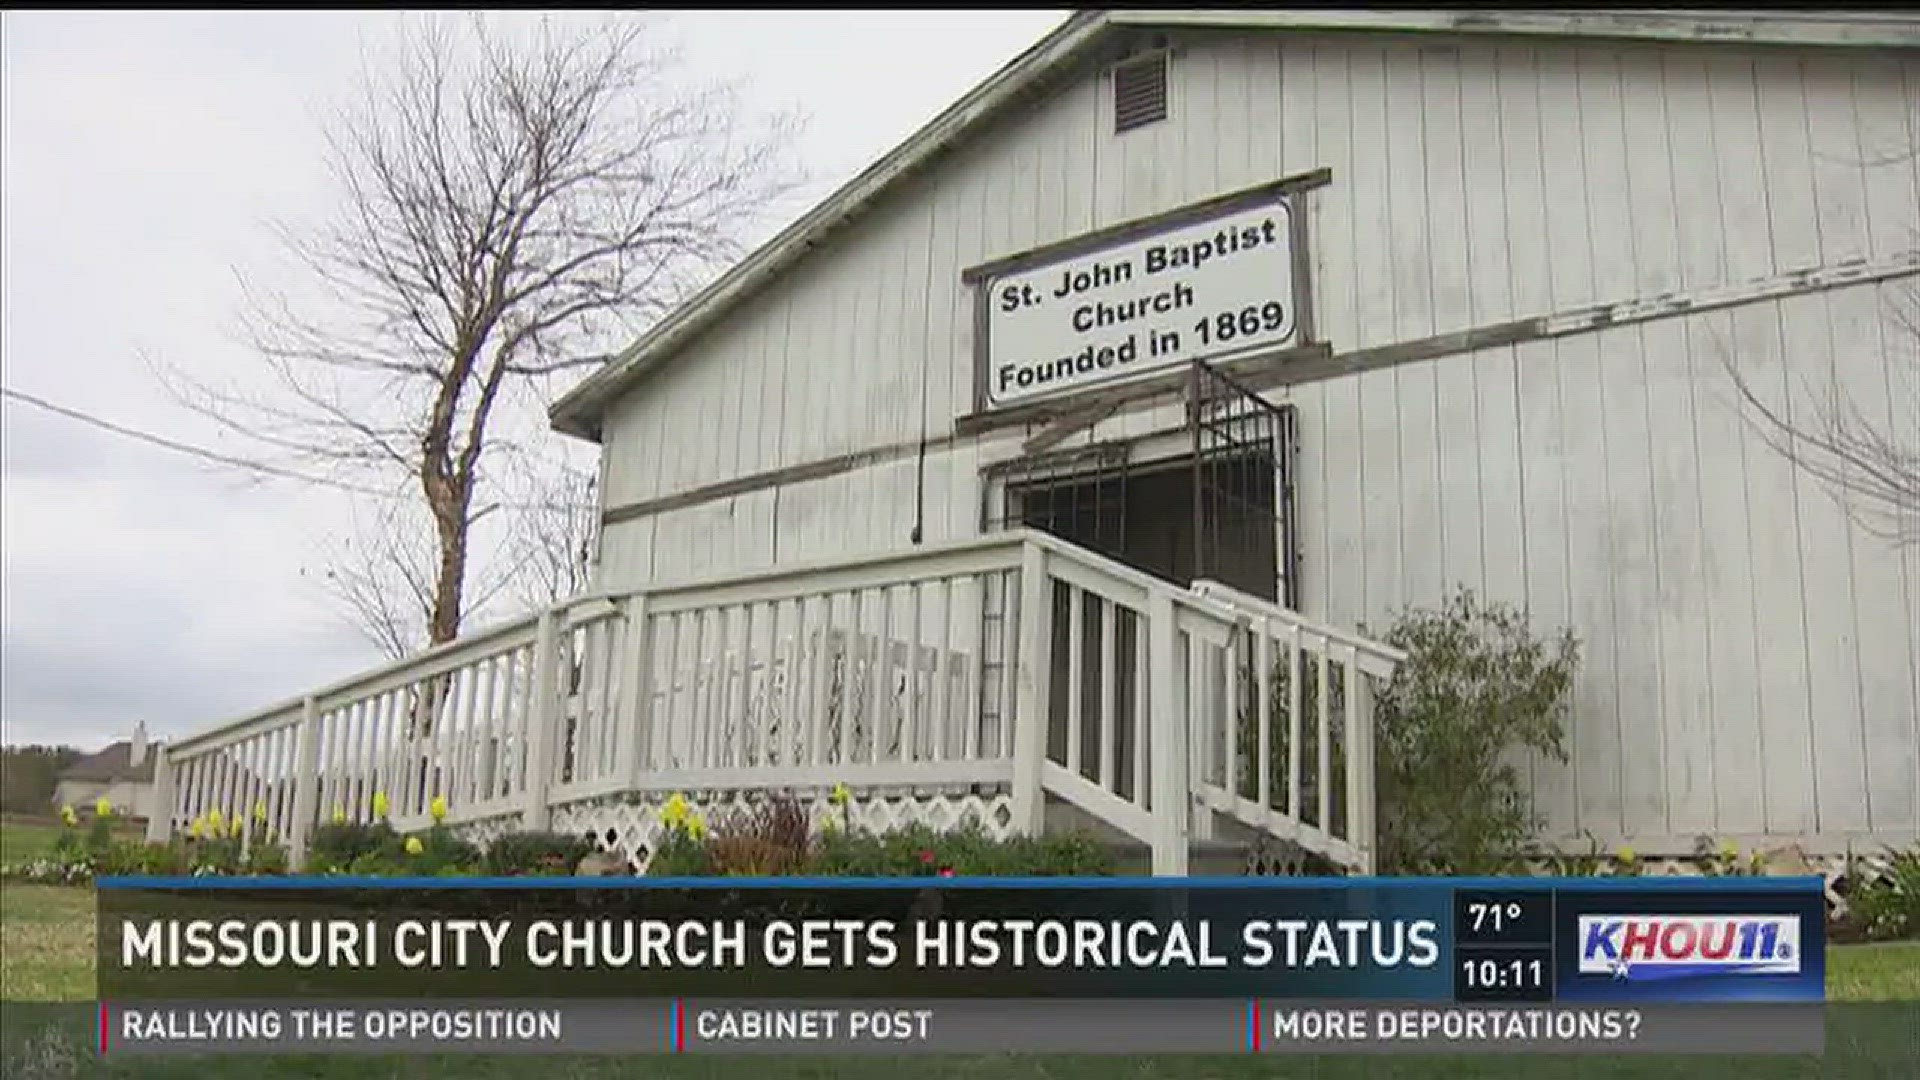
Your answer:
<point x="1139" y="91"/>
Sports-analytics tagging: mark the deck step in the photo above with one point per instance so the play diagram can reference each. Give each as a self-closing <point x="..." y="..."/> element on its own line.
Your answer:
<point x="1205" y="858"/>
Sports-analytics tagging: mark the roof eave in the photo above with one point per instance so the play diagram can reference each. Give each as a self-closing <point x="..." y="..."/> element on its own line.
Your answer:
<point x="578" y="412"/>
<point x="1881" y="30"/>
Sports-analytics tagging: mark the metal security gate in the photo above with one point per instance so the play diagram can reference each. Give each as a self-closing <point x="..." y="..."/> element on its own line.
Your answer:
<point x="1243" y="487"/>
<point x="1079" y="494"/>
<point x="1222" y="510"/>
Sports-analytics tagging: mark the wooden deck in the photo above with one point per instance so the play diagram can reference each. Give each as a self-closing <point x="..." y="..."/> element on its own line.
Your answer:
<point x="989" y="676"/>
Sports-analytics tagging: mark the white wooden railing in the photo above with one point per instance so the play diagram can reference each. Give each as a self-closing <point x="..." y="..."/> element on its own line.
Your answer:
<point x="1015" y="659"/>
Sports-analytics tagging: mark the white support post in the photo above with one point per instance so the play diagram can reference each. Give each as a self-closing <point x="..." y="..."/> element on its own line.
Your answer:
<point x="1171" y="786"/>
<point x="1034" y="684"/>
<point x="160" y="799"/>
<point x="1361" y="783"/>
<point x="306" y="781"/>
<point x="543" y="720"/>
<point x="635" y="718"/>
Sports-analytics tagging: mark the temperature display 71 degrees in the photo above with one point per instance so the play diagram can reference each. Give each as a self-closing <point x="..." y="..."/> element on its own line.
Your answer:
<point x="1503" y="917"/>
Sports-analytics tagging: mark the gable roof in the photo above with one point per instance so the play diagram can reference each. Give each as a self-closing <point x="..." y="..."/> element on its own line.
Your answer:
<point x="110" y="765"/>
<point x="578" y="411"/>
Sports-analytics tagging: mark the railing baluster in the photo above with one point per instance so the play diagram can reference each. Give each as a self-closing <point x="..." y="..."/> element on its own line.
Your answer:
<point x="613" y="648"/>
<point x="1325" y="708"/>
<point x="542" y="720"/>
<point x="743" y="736"/>
<point x="481" y="779"/>
<point x="1349" y="675"/>
<point x="1076" y="675"/>
<point x="1173" y="785"/>
<point x="1109" y="683"/>
<point x="306" y="784"/>
<point x="818" y="641"/>
<point x="1263" y="686"/>
<point x="1194" y="731"/>
<point x="1365" y="835"/>
<point x="974" y="719"/>
<point x="767" y="688"/>
<point x="1031" y="713"/>
<point x="1230" y="655"/>
<point x="633" y="711"/>
<point x="849" y="704"/>
<point x="1013" y="612"/>
<point x="880" y="694"/>
<point x="792" y="721"/>
<point x="660" y="734"/>
<point x="1142" y="712"/>
<point x="1296" y="693"/>
<point x="910" y="733"/>
<point x="696" y="699"/>
<point x="229" y="782"/>
<point x="943" y="671"/>
<point x="250" y="781"/>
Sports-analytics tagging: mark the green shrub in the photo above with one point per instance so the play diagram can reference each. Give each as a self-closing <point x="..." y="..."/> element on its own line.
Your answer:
<point x="1888" y="907"/>
<point x="677" y="853"/>
<point x="919" y="851"/>
<point x="536" y="854"/>
<point x="267" y="856"/>
<point x="334" y="848"/>
<point x="437" y="852"/>
<point x="442" y="852"/>
<point x="1725" y="860"/>
<point x="1477" y="684"/>
<point x="215" y="855"/>
<point x="136" y="858"/>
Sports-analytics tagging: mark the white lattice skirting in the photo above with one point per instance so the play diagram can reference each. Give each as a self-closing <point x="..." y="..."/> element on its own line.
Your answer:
<point x="629" y="826"/>
<point x="484" y="832"/>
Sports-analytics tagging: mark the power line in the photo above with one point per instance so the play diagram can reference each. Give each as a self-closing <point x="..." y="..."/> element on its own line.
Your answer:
<point x="240" y="463"/>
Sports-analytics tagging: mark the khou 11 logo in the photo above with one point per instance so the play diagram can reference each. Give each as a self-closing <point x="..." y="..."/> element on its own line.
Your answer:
<point x="1640" y="948"/>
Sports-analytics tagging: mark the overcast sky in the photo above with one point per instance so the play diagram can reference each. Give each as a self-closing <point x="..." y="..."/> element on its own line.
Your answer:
<point x="143" y="154"/>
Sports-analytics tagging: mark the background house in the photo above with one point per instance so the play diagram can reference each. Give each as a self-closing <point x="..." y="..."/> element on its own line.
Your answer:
<point x="123" y="773"/>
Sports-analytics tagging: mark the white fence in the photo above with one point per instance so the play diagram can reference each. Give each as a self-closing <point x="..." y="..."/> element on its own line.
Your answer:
<point x="1016" y="660"/>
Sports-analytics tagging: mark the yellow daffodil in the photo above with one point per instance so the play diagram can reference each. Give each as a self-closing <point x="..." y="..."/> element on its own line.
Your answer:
<point x="841" y="796"/>
<point x="103" y="808"/>
<point x="68" y="816"/>
<point x="380" y="804"/>
<point x="675" y="811"/>
<point x="414" y="846"/>
<point x="1626" y="855"/>
<point x="696" y="826"/>
<point x="194" y="827"/>
<point x="339" y="814"/>
<point x="260" y="810"/>
<point x="1730" y="850"/>
<point x="438" y="808"/>
<point x="215" y="821"/>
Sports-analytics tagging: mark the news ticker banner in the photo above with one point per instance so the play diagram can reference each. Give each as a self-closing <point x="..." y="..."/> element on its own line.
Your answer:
<point x="936" y="965"/>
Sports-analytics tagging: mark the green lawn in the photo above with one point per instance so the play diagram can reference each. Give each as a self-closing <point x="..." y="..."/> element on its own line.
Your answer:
<point x="46" y="955"/>
<point x="23" y="838"/>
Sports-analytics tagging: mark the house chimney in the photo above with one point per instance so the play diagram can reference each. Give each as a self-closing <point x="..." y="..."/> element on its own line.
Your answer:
<point x="137" y="753"/>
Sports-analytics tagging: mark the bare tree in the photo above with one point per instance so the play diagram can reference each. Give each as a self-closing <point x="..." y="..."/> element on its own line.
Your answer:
<point x="549" y="545"/>
<point x="1869" y="461"/>
<point x="514" y="207"/>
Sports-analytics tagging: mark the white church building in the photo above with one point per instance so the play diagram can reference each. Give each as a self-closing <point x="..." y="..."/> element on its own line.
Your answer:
<point x="1050" y="470"/>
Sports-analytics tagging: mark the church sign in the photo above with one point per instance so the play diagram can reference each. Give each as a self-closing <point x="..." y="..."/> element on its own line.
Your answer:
<point x="1221" y="279"/>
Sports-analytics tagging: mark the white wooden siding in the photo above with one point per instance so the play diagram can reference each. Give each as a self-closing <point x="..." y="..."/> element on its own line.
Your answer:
<point x="1748" y="651"/>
